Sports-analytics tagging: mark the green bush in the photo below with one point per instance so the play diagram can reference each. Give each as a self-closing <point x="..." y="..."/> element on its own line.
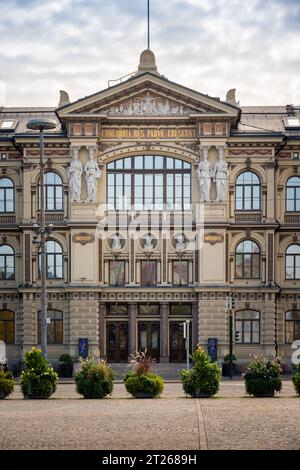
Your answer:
<point x="39" y="379"/>
<point x="140" y="381"/>
<point x="296" y="380"/>
<point x="65" y="369"/>
<point x="66" y="359"/>
<point x="6" y="383"/>
<point x="136" y="384"/>
<point x="94" y="379"/>
<point x="262" y="377"/>
<point x="227" y="358"/>
<point x="204" y="378"/>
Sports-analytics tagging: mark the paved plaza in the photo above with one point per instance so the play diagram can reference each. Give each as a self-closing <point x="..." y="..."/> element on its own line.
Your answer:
<point x="231" y="420"/>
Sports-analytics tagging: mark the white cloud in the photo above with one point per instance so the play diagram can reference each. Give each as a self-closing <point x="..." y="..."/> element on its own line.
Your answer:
<point x="208" y="45"/>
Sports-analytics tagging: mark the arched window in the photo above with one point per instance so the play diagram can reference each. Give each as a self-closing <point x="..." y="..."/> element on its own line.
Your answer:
<point x="247" y="324"/>
<point x="247" y="260"/>
<point x="7" y="326"/>
<point x="293" y="194"/>
<point x="292" y="262"/>
<point x="6" y="195"/>
<point x="247" y="191"/>
<point x="54" y="260"/>
<point x="53" y="192"/>
<point x="149" y="182"/>
<point x="7" y="262"/>
<point x="54" y="328"/>
<point x="292" y="326"/>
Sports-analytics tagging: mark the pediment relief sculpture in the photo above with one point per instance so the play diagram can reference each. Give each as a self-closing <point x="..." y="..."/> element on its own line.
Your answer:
<point x="149" y="105"/>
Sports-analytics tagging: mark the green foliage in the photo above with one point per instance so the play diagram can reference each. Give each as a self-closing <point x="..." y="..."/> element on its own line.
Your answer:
<point x="66" y="359"/>
<point x="203" y="378"/>
<point x="39" y="379"/>
<point x="95" y="379"/>
<point x="6" y="383"/>
<point x="296" y="380"/>
<point x="262" y="377"/>
<point x="148" y="383"/>
<point x="227" y="358"/>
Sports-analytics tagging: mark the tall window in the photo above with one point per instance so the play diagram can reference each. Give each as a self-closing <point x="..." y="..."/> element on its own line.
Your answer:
<point x="148" y="273"/>
<point x="292" y="326"/>
<point x="247" y="324"/>
<point x="247" y="260"/>
<point x="149" y="182"/>
<point x="180" y="273"/>
<point x="54" y="328"/>
<point x="54" y="260"/>
<point x="247" y="191"/>
<point x="7" y="263"/>
<point x="117" y="273"/>
<point x="53" y="192"/>
<point x="7" y="326"/>
<point x="6" y="195"/>
<point x="293" y="194"/>
<point x="292" y="262"/>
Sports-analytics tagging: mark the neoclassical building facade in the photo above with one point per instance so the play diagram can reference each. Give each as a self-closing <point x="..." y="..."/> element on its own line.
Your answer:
<point x="163" y="202"/>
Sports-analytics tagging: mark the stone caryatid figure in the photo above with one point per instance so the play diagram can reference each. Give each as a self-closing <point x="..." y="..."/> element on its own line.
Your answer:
<point x="204" y="175"/>
<point x="74" y="174"/>
<point x="92" y="175"/>
<point x="220" y="175"/>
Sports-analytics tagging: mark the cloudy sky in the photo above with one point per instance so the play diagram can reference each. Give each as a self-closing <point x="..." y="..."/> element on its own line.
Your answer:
<point x="208" y="45"/>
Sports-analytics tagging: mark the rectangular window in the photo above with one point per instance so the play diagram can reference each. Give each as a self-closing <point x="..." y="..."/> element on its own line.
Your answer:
<point x="117" y="273"/>
<point x="180" y="273"/>
<point x="151" y="309"/>
<point x="148" y="273"/>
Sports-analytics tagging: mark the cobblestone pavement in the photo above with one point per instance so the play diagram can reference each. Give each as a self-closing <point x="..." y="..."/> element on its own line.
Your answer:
<point x="231" y="420"/>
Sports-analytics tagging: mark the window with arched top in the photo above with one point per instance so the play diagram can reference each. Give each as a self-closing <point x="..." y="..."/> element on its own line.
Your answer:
<point x="7" y="326"/>
<point x="54" y="260"/>
<point x="7" y="203"/>
<point x="7" y="262"/>
<point x="54" y="327"/>
<point x="247" y="191"/>
<point x="293" y="194"/>
<point x="292" y="326"/>
<point x="53" y="192"/>
<point x="292" y="262"/>
<point x="149" y="182"/>
<point x="247" y="260"/>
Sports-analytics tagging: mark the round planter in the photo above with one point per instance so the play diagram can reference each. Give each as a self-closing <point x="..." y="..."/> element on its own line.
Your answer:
<point x="269" y="394"/>
<point x="200" y="394"/>
<point x="65" y="370"/>
<point x="2" y="395"/>
<point x="143" y="395"/>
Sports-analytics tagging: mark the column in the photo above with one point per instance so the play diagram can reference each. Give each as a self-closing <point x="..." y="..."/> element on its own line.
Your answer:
<point x="102" y="332"/>
<point x="164" y="332"/>
<point x="132" y="328"/>
<point x="195" y="325"/>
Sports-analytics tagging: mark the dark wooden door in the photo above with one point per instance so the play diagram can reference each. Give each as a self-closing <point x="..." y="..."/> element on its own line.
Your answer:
<point x="117" y="341"/>
<point x="177" y="342"/>
<point x="149" y="338"/>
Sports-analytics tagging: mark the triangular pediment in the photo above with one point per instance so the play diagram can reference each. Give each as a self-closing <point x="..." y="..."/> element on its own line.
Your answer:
<point x="148" y="95"/>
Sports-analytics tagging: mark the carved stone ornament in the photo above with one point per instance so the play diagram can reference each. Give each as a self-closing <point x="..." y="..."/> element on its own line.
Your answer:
<point x="148" y="242"/>
<point x="83" y="238"/>
<point x="116" y="242"/>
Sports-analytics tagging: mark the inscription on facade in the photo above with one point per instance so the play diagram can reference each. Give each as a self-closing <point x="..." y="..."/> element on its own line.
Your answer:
<point x="148" y="133"/>
<point x="83" y="238"/>
<point x="213" y="238"/>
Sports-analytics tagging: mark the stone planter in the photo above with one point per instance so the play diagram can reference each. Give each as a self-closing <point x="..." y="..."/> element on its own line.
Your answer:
<point x="65" y="370"/>
<point x="268" y="394"/>
<point x="2" y="395"/>
<point x="199" y="394"/>
<point x="143" y="395"/>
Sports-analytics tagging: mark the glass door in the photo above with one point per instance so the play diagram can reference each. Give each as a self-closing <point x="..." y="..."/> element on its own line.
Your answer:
<point x="149" y="338"/>
<point x="117" y="341"/>
<point x="177" y="342"/>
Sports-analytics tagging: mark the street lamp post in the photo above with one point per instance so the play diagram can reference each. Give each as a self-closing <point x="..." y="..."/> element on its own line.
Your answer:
<point x="41" y="125"/>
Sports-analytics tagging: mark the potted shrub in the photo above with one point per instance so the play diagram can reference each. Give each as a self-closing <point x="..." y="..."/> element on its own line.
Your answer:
<point x="140" y="382"/>
<point x="65" y="368"/>
<point x="94" y="378"/>
<point x="38" y="381"/>
<point x="6" y="383"/>
<point x="262" y="377"/>
<point x="296" y="380"/>
<point x="202" y="381"/>
<point x="226" y="365"/>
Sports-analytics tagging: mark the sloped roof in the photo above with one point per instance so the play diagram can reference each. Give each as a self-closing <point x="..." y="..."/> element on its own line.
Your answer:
<point x="22" y="116"/>
<point x="262" y="119"/>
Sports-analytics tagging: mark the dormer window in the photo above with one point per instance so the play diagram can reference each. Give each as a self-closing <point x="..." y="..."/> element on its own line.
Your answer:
<point x="8" y="125"/>
<point x="292" y="123"/>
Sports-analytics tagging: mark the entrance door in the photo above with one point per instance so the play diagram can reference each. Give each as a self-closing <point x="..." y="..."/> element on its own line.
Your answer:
<point x="117" y="341"/>
<point x="149" y="338"/>
<point x="177" y="342"/>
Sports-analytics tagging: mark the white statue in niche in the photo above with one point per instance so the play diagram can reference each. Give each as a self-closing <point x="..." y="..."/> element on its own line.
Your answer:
<point x="116" y="243"/>
<point x="92" y="175"/>
<point x="204" y="175"/>
<point x="74" y="174"/>
<point x="220" y="175"/>
<point x="148" y="243"/>
<point x="180" y="243"/>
